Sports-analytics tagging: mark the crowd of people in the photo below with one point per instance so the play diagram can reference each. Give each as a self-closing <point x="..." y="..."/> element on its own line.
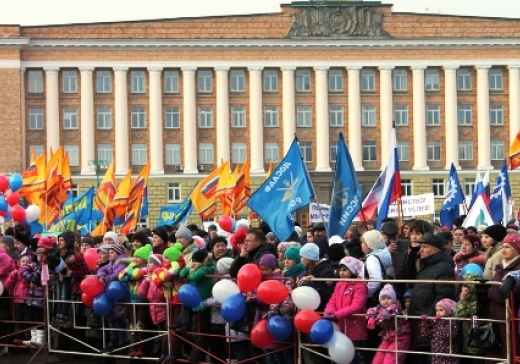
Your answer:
<point x="430" y="314"/>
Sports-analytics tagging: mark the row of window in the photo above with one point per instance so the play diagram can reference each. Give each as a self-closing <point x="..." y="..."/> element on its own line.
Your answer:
<point x="438" y="187"/>
<point x="237" y="81"/>
<point x="271" y="116"/>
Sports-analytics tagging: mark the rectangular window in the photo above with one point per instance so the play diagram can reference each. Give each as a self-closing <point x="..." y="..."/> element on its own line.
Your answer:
<point x="173" y="154"/>
<point x="271" y="116"/>
<point x="407" y="187"/>
<point x="401" y="115"/>
<point x="335" y="80"/>
<point x="333" y="148"/>
<point x="303" y="80"/>
<point x="434" y="150"/>
<point x="171" y="82"/>
<point x="368" y="115"/>
<point x="336" y="115"/>
<point x="238" y="117"/>
<point x="35" y="79"/>
<point x="368" y="80"/>
<point x="172" y="117"/>
<point x="306" y="151"/>
<point x="303" y="116"/>
<point x="272" y="152"/>
<point x="104" y="118"/>
<point x="105" y="153"/>
<point x="103" y="81"/>
<point x="38" y="149"/>
<point x="205" y="117"/>
<point x="438" y="187"/>
<point x="173" y="191"/>
<point x="139" y="156"/>
<point x="238" y="81"/>
<point x="138" y="82"/>
<point x="270" y="81"/>
<point x="73" y="151"/>
<point x="496" y="114"/>
<point x="463" y="79"/>
<point x="369" y="151"/>
<point x="35" y="119"/>
<point x="433" y="115"/>
<point x="238" y="152"/>
<point x="400" y="80"/>
<point x="497" y="150"/>
<point x="403" y="151"/>
<point x="464" y="113"/>
<point x="204" y="81"/>
<point x="495" y="79"/>
<point x="469" y="186"/>
<point x="206" y="153"/>
<point x="465" y="150"/>
<point x="432" y="80"/>
<point x="138" y="115"/>
<point x="70" y="81"/>
<point x="70" y="118"/>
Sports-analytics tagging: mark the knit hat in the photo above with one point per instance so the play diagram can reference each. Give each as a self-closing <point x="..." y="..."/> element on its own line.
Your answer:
<point x="293" y="253"/>
<point x="199" y="256"/>
<point x="143" y="252"/>
<point x="268" y="260"/>
<point x="112" y="235"/>
<point x="335" y="239"/>
<point x="496" y="232"/>
<point x="374" y="240"/>
<point x="448" y="305"/>
<point x="173" y="253"/>
<point x="161" y="232"/>
<point x="512" y="226"/>
<point x="474" y="240"/>
<point x="223" y="265"/>
<point x="183" y="233"/>
<point x="432" y="239"/>
<point x="446" y="229"/>
<point x="156" y="259"/>
<point x="22" y="238"/>
<point x="390" y="228"/>
<point x="7" y="240"/>
<point x="513" y="240"/>
<point x="141" y="237"/>
<point x="389" y="291"/>
<point x="46" y="242"/>
<point x="299" y="231"/>
<point x="408" y="293"/>
<point x="336" y="252"/>
<point x="201" y="244"/>
<point x="270" y="235"/>
<point x="119" y="249"/>
<point x="104" y="248"/>
<point x="310" y="251"/>
<point x="87" y="240"/>
<point x="353" y="265"/>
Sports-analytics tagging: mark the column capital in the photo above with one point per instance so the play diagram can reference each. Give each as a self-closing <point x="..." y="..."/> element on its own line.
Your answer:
<point x="154" y="69"/>
<point x="513" y="67"/>
<point x="255" y="69"/>
<point x="188" y="69"/>
<point x="482" y="68"/>
<point x="418" y="68"/>
<point x="354" y="68"/>
<point x="321" y="69"/>
<point x="450" y="68"/>
<point x="86" y="69"/>
<point x="386" y="68"/>
<point x="288" y="69"/>
<point x="120" y="69"/>
<point x="221" y="69"/>
<point x="51" y="69"/>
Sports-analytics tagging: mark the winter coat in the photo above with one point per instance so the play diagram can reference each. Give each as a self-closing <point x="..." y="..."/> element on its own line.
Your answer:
<point x="133" y="275"/>
<point x="6" y="265"/>
<point x="104" y="271"/>
<point x="32" y="273"/>
<point x="324" y="269"/>
<point x="494" y="258"/>
<point x="440" y="332"/>
<point x="385" y="318"/>
<point x="399" y="255"/>
<point x="17" y="284"/>
<point x="171" y="274"/>
<point x="467" y="308"/>
<point x="478" y="257"/>
<point x="79" y="271"/>
<point x="198" y="278"/>
<point x="118" y="265"/>
<point x="160" y="249"/>
<point x="187" y="252"/>
<point x="154" y="294"/>
<point x="349" y="298"/>
<point x="353" y="248"/>
<point x="252" y="257"/>
<point x="372" y="269"/>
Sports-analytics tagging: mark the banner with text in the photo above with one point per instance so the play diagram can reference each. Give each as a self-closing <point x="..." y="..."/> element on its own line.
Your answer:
<point x="314" y="213"/>
<point x="417" y="205"/>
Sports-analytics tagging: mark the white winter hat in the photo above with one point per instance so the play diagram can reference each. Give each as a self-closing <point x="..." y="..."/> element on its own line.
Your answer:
<point x="374" y="240"/>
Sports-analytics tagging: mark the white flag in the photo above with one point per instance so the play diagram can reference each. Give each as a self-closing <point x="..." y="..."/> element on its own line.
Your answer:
<point x="478" y="214"/>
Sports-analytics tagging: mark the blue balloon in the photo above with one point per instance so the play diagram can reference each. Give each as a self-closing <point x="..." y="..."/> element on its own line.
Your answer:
<point x="15" y="182"/>
<point x="233" y="308"/>
<point x="321" y="332"/>
<point x="190" y="295"/>
<point x="233" y="224"/>
<point x="472" y="268"/>
<point x="102" y="304"/>
<point x="279" y="327"/>
<point x="3" y="204"/>
<point x="116" y="290"/>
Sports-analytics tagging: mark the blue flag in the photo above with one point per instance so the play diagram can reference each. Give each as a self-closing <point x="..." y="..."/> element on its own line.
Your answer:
<point x="454" y="197"/>
<point x="286" y="190"/>
<point x="79" y="208"/>
<point x="345" y="200"/>
<point x="499" y="199"/>
<point x="144" y="204"/>
<point x="175" y="214"/>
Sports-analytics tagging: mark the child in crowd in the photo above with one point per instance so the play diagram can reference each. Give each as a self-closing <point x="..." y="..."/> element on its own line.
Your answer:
<point x="32" y="273"/>
<point x="407" y="299"/>
<point x="349" y="298"/>
<point x="77" y="269"/>
<point x="17" y="284"/>
<point x="293" y="267"/>
<point x="395" y="333"/>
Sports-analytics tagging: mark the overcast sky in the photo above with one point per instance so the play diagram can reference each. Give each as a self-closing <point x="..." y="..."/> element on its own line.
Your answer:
<point x="41" y="12"/>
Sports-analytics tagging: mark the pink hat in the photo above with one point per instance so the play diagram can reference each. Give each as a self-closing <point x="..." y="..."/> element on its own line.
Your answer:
<point x="513" y="240"/>
<point x="448" y="305"/>
<point x="389" y="291"/>
<point x="353" y="265"/>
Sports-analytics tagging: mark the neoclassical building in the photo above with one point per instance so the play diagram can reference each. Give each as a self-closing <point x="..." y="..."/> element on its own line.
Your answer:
<point x="188" y="93"/>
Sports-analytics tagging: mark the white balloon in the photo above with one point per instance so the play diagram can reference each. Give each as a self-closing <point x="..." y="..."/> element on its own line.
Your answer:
<point x="32" y="212"/>
<point x="242" y="223"/>
<point x="306" y="298"/>
<point x="224" y="289"/>
<point x="1" y="288"/>
<point x="341" y="348"/>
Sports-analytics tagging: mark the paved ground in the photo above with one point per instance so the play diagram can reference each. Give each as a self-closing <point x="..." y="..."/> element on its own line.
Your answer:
<point x="23" y="358"/>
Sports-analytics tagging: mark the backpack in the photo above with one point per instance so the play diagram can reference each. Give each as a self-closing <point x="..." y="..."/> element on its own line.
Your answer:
<point x="374" y="299"/>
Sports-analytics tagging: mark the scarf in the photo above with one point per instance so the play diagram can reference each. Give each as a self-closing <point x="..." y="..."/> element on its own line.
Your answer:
<point x="294" y="271"/>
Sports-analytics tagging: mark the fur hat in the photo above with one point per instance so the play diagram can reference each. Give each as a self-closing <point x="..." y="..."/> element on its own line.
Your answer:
<point x="496" y="232"/>
<point x="513" y="240"/>
<point x="112" y="235"/>
<point x="7" y="240"/>
<point x="293" y="253"/>
<point x="184" y="233"/>
<point x="143" y="252"/>
<point x="199" y="256"/>
<point x="448" y="305"/>
<point x="161" y="232"/>
<point x="390" y="228"/>
<point x="432" y="239"/>
<point x="336" y="252"/>
<point x="374" y="240"/>
<point x="173" y="253"/>
<point x="267" y="260"/>
<point x="389" y="291"/>
<point x="156" y="259"/>
<point x="223" y="265"/>
<point x="355" y="266"/>
<point x="119" y="249"/>
<point x="141" y="237"/>
<point x="310" y="251"/>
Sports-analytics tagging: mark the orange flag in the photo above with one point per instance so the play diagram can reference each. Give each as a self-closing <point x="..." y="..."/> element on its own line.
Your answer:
<point x="514" y="153"/>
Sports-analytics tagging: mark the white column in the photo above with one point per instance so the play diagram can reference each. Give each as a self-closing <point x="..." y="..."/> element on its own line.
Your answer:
<point x="386" y="112"/>
<point x="256" y="129"/>
<point x="288" y="107"/>
<point x="355" y="144"/>
<point x="190" y="120"/>
<point x="222" y="113"/>
<point x="451" y="125"/>
<point x="419" y="120"/>
<point x="24" y="162"/>
<point x="483" y="128"/>
<point x="514" y="102"/>
<point x="155" y="133"/>
<point x="122" y="149"/>
<point x="322" y="119"/>
<point x="52" y="104"/>
<point x="87" y="150"/>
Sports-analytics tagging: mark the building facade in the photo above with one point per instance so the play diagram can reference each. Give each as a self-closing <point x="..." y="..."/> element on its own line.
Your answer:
<point x="188" y="93"/>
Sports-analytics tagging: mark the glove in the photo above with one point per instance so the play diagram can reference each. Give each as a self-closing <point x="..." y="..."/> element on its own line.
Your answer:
<point x="507" y="287"/>
<point x="437" y="317"/>
<point x="371" y="323"/>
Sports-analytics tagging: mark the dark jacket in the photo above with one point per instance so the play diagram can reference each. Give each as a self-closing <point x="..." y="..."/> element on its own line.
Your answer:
<point x="252" y="257"/>
<point x="398" y="256"/>
<point x="324" y="269"/>
<point x="323" y="245"/>
<point x="353" y="248"/>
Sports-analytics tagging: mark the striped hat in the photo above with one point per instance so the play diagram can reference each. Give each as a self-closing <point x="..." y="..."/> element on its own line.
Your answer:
<point x="156" y="259"/>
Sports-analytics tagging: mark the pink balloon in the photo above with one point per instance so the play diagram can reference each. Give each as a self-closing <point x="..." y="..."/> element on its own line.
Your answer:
<point x="4" y="183"/>
<point x="17" y="213"/>
<point x="91" y="258"/>
<point x="13" y="198"/>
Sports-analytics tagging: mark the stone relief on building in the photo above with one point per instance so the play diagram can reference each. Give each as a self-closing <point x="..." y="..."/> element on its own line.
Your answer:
<point x="338" y="22"/>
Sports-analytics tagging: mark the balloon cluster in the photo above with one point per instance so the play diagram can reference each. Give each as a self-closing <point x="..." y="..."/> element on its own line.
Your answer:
<point x="228" y="224"/>
<point x="10" y="199"/>
<point x="99" y="297"/>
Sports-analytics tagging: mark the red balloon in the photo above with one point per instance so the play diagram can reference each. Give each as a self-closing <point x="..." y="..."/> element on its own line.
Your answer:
<point x="3" y="213"/>
<point x="91" y="258"/>
<point x="249" y="277"/>
<point x="272" y="292"/>
<point x="91" y="286"/>
<point x="13" y="198"/>
<point x="87" y="299"/>
<point x="17" y="213"/>
<point x="304" y="320"/>
<point x="4" y="183"/>
<point x="260" y="336"/>
<point x="226" y="223"/>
